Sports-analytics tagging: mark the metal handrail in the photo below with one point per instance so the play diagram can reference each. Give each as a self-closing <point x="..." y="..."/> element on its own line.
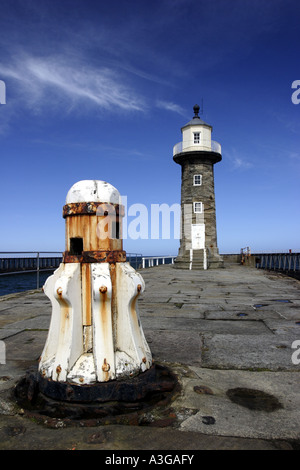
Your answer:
<point x="207" y="145"/>
<point x="155" y="260"/>
<point x="279" y="261"/>
<point x="37" y="258"/>
<point x="135" y="259"/>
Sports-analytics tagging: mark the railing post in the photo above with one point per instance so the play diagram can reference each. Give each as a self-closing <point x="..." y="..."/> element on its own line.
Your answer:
<point x="37" y="270"/>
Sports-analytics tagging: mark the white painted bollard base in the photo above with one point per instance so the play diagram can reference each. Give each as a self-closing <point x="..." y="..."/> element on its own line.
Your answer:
<point x="114" y="345"/>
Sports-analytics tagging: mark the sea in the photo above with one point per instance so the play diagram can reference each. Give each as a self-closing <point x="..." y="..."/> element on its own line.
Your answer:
<point x="23" y="281"/>
<point x="13" y="283"/>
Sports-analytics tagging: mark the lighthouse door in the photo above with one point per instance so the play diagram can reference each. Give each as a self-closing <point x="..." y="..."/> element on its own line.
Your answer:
<point x="198" y="236"/>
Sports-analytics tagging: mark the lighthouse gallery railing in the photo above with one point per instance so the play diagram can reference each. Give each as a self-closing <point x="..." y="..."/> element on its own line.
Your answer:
<point x="213" y="146"/>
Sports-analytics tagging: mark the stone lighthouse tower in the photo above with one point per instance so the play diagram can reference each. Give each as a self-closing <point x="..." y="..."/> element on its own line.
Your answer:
<point x="197" y="154"/>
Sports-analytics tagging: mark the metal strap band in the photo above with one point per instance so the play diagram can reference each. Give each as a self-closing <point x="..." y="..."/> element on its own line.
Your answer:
<point x="101" y="256"/>
<point x="93" y="208"/>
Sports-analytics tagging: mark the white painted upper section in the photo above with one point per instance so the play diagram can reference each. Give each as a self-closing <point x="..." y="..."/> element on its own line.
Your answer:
<point x="215" y="147"/>
<point x="188" y="138"/>
<point x="93" y="191"/>
<point x="203" y="140"/>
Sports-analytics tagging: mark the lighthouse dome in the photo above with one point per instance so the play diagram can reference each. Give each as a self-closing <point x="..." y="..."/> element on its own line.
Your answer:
<point x="196" y="121"/>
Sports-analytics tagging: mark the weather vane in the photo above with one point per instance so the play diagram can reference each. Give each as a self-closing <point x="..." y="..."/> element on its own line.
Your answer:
<point x="201" y="107"/>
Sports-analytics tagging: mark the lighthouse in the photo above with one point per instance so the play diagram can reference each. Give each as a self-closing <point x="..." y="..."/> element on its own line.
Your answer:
<point x="197" y="154"/>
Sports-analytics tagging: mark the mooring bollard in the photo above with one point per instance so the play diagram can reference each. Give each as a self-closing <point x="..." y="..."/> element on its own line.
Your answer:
<point x="96" y="363"/>
<point x="95" y="333"/>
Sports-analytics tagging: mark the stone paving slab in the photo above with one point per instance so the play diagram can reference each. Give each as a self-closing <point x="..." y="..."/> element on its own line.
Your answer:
<point x="7" y="332"/>
<point x="172" y="310"/>
<point x="26" y="345"/>
<point x="214" y="326"/>
<point x="216" y="330"/>
<point x="284" y="327"/>
<point x="249" y="352"/>
<point x="176" y="344"/>
<point x="241" y="314"/>
<point x="28" y="436"/>
<point x="279" y="424"/>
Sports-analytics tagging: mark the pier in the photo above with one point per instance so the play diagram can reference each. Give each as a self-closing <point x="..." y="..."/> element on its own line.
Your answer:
<point x="230" y="335"/>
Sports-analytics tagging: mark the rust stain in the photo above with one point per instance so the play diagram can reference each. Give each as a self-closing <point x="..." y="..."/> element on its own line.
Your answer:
<point x="65" y="310"/>
<point x="92" y="222"/>
<point x="95" y="231"/>
<point x="78" y="227"/>
<point x="104" y="311"/>
<point x="86" y="294"/>
<point x="133" y="311"/>
<point x="106" y="325"/>
<point x="91" y="208"/>
<point x="106" y="369"/>
<point x="62" y="301"/>
<point x="136" y="322"/>
<point x="103" y="239"/>
<point x="100" y="256"/>
<point x="58" y="371"/>
<point x="106" y="366"/>
<point x="114" y="306"/>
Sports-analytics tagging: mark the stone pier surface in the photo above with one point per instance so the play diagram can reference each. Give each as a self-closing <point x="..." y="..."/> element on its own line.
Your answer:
<point x="228" y="335"/>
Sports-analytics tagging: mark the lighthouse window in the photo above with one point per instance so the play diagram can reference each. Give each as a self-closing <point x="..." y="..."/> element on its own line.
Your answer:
<point x="197" y="207"/>
<point x="197" y="180"/>
<point x="196" y="137"/>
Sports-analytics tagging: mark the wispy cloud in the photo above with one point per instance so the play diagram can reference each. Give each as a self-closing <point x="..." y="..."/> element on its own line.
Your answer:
<point x="59" y="83"/>
<point x="291" y="125"/>
<point x="169" y="106"/>
<point x="64" y="84"/>
<point x="295" y="156"/>
<point x="117" y="153"/>
<point x="237" y="161"/>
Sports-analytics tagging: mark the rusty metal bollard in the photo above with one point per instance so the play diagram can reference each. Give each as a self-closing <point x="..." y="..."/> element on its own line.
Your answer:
<point x="95" y="333"/>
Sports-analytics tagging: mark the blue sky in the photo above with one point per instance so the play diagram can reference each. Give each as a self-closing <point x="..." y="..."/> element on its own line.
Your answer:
<point x="100" y="90"/>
